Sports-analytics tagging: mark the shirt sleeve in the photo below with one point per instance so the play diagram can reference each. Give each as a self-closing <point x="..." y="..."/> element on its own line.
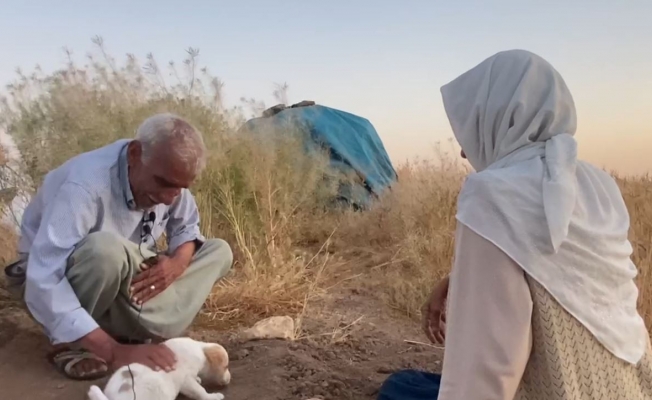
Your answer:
<point x="489" y="320"/>
<point x="66" y="220"/>
<point x="183" y="225"/>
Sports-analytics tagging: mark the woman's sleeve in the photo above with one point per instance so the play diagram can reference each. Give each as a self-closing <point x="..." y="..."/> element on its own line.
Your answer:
<point x="488" y="323"/>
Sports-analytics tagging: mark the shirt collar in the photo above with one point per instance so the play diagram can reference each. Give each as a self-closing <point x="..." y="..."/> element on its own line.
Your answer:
<point x="124" y="178"/>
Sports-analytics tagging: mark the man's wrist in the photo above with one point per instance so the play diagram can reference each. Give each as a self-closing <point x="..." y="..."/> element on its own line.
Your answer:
<point x="182" y="256"/>
<point x="100" y="343"/>
<point x="179" y="265"/>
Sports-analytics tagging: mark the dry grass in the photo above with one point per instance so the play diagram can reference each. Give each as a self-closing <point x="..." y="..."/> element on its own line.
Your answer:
<point x="637" y="192"/>
<point x="266" y="197"/>
<point x="8" y="244"/>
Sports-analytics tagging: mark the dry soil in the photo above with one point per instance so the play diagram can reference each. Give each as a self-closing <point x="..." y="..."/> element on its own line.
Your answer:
<point x="349" y="344"/>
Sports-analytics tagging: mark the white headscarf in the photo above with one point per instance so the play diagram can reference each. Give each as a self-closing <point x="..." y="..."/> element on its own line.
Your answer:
<point x="562" y="220"/>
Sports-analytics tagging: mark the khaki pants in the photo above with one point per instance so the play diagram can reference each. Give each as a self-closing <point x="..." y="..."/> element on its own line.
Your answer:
<point x="100" y="272"/>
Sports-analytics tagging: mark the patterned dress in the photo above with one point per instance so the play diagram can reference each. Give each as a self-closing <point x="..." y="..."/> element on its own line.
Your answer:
<point x="568" y="363"/>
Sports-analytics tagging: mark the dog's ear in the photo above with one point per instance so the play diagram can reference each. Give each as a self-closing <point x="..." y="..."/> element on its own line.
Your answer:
<point x="127" y="382"/>
<point x="217" y="358"/>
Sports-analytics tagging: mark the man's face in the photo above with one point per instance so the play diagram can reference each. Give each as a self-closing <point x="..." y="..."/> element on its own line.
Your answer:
<point x="159" y="181"/>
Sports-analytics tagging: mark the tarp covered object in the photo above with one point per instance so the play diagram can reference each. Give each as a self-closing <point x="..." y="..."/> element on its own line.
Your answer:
<point x="352" y="142"/>
<point x="410" y="385"/>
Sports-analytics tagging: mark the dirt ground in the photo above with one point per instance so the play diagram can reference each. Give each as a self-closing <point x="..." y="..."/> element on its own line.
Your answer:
<point x="349" y="344"/>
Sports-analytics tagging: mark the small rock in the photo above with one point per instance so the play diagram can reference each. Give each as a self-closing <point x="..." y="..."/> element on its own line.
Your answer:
<point x="384" y="370"/>
<point x="239" y="355"/>
<point x="271" y="328"/>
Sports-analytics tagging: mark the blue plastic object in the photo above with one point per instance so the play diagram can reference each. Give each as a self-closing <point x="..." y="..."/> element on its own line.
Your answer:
<point x="410" y="385"/>
<point x="352" y="142"/>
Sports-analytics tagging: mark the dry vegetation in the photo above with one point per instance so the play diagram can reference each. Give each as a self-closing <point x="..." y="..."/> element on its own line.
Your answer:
<point x="264" y="196"/>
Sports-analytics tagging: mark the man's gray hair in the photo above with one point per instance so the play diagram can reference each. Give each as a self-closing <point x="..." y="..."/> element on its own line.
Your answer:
<point x="186" y="141"/>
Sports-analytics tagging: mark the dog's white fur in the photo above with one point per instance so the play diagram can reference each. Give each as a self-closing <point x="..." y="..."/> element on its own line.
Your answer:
<point x="197" y="363"/>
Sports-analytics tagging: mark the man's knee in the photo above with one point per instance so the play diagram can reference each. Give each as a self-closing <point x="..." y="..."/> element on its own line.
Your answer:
<point x="220" y="255"/>
<point x="100" y="254"/>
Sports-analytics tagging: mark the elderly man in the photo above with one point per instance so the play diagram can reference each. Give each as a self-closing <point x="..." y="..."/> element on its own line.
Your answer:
<point x="94" y="278"/>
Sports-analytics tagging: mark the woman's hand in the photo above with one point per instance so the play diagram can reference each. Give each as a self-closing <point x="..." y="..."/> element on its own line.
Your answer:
<point x="433" y="313"/>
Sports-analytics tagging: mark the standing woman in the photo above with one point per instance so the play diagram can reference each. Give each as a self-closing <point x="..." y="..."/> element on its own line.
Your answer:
<point x="542" y="301"/>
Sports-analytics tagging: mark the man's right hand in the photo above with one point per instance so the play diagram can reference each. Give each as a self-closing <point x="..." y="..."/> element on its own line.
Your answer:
<point x="155" y="356"/>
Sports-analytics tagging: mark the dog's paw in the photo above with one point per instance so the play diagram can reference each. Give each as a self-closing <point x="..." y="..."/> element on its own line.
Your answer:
<point x="214" y="396"/>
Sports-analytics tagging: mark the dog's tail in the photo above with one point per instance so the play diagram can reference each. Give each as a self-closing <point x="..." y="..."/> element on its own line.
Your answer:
<point x="95" y="393"/>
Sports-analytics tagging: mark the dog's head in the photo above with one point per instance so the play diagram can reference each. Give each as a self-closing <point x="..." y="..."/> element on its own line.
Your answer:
<point x="216" y="368"/>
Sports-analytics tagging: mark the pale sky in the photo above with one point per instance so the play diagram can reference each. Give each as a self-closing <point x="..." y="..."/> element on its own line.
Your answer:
<point x="383" y="60"/>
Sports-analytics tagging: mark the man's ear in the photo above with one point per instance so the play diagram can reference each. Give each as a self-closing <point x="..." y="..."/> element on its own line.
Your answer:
<point x="217" y="358"/>
<point x="134" y="152"/>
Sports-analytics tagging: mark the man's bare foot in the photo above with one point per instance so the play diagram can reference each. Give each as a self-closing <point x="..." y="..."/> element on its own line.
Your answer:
<point x="78" y="364"/>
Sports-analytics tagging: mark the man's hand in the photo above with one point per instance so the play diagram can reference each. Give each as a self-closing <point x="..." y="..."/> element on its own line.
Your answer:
<point x="155" y="356"/>
<point x="434" y="313"/>
<point x="154" y="278"/>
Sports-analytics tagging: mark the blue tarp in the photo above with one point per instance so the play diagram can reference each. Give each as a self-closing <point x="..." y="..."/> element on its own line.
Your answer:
<point x="410" y="385"/>
<point x="352" y="142"/>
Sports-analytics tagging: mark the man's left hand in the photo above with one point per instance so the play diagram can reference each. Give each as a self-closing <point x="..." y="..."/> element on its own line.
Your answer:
<point x="154" y="278"/>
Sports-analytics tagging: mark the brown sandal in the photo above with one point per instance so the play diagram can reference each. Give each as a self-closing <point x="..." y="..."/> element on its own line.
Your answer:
<point x="64" y="361"/>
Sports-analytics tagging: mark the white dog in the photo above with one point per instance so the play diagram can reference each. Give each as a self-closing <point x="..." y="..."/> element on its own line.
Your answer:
<point x="197" y="363"/>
